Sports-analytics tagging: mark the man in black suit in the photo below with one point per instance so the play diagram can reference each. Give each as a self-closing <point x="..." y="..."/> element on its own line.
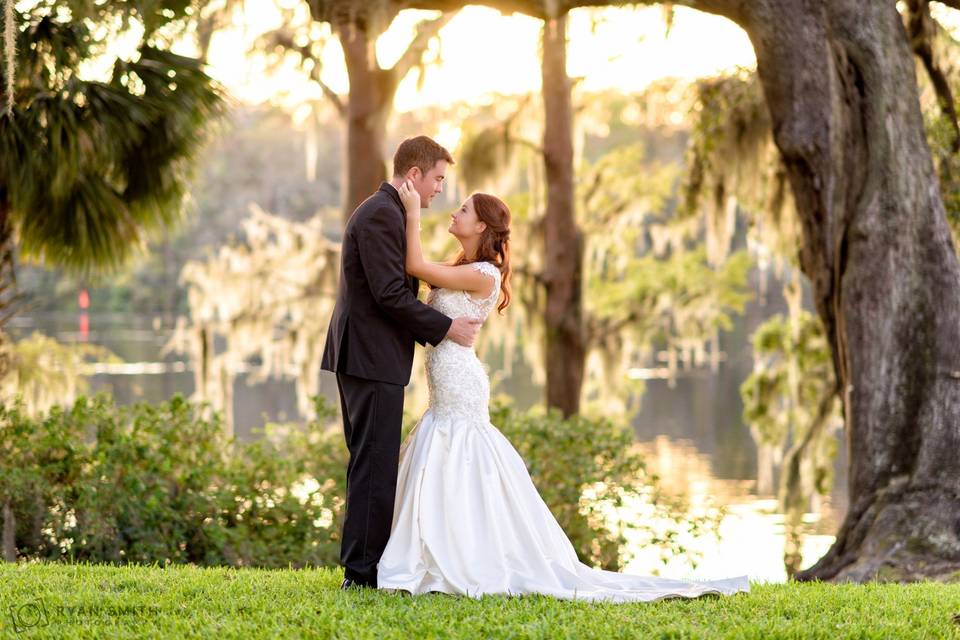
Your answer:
<point x="369" y="345"/>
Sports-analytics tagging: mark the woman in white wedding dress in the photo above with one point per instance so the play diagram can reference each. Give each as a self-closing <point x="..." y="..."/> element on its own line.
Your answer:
<point x="467" y="519"/>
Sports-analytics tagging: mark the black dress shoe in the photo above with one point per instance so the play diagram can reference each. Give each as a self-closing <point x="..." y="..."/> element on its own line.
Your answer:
<point x="349" y="583"/>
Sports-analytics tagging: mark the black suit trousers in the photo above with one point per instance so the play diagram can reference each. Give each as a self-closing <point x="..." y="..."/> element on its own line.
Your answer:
<point x="372" y="416"/>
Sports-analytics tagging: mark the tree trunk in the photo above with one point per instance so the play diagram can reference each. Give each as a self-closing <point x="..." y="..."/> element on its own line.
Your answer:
<point x="369" y="105"/>
<point x="9" y="533"/>
<point x="10" y="298"/>
<point x="840" y="85"/>
<point x="563" y="260"/>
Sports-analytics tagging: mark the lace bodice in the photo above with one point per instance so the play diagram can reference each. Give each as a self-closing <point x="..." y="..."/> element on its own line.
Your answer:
<point x="457" y="380"/>
<point x="460" y="303"/>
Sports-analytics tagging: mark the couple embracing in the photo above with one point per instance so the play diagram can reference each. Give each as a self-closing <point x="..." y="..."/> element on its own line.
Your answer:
<point x="452" y="509"/>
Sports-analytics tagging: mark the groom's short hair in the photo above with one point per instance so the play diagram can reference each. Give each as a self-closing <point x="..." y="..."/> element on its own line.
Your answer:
<point x="422" y="152"/>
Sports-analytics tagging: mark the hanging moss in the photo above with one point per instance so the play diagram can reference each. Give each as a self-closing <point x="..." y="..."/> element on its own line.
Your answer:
<point x="790" y="403"/>
<point x="9" y="53"/>
<point x="493" y="145"/>
<point x="268" y="300"/>
<point x="734" y="166"/>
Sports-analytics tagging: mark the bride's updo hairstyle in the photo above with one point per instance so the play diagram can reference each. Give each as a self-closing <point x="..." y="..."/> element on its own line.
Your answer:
<point x="495" y="241"/>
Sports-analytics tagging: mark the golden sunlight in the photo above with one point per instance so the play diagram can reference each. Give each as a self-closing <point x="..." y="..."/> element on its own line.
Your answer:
<point x="621" y="48"/>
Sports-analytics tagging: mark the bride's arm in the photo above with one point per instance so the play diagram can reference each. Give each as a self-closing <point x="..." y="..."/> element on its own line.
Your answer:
<point x="462" y="277"/>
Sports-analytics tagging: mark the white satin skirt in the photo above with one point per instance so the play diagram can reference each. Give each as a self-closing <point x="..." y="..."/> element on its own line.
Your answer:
<point x="468" y="520"/>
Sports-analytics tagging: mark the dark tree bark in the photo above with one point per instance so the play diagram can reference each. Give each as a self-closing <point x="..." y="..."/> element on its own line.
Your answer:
<point x="10" y="298"/>
<point x="563" y="260"/>
<point x="840" y="85"/>
<point x="9" y="533"/>
<point x="367" y="109"/>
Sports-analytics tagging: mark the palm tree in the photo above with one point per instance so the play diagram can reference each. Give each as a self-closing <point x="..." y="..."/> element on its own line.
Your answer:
<point x="89" y="168"/>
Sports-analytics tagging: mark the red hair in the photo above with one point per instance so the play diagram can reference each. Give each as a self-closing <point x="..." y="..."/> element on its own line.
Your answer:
<point x="494" y="243"/>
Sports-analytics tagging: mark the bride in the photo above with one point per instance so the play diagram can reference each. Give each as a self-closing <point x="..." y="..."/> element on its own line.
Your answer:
<point x="467" y="518"/>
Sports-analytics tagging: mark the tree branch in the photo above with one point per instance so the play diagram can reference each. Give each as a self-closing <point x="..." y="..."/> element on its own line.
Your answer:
<point x="284" y="38"/>
<point x="732" y="9"/>
<point x="598" y="330"/>
<point x="356" y="13"/>
<point x="522" y="270"/>
<point x="426" y="30"/>
<point x="508" y="123"/>
<point x="213" y="21"/>
<point x="922" y="28"/>
<point x="331" y="95"/>
<point x="523" y="142"/>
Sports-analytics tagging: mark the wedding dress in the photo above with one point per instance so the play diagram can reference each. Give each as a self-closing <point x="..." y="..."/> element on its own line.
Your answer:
<point x="468" y="519"/>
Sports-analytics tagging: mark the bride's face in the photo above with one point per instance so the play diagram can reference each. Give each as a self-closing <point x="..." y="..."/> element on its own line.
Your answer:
<point x="464" y="223"/>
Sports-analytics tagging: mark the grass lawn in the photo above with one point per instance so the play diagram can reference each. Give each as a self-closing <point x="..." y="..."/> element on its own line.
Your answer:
<point x="94" y="601"/>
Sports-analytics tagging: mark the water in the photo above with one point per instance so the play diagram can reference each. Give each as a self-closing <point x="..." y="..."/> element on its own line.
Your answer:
<point x="692" y="433"/>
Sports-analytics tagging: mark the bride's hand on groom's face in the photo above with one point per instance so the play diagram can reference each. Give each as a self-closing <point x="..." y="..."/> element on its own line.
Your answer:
<point x="410" y="199"/>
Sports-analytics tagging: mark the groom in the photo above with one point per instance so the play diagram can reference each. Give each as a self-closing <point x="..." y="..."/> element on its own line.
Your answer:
<point x="369" y="345"/>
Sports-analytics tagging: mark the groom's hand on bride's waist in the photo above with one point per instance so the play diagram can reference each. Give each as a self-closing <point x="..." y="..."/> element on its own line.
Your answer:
<point x="463" y="330"/>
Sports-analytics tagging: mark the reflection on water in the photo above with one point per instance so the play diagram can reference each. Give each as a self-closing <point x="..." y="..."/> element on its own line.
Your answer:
<point x="692" y="433"/>
<point x="147" y="375"/>
<point x="751" y="534"/>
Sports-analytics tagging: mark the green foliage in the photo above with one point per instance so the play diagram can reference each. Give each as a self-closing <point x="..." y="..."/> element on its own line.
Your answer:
<point x="790" y="403"/>
<point x="734" y="168"/>
<point x="613" y="186"/>
<point x="649" y="282"/>
<point x="940" y="133"/>
<point x="485" y="154"/>
<point x="282" y="495"/>
<point x="161" y="483"/>
<point x="258" y="158"/>
<point x="146" y="483"/>
<point x="89" y="167"/>
<point x="268" y="298"/>
<point x="680" y="297"/>
<point x="781" y="349"/>
<point x="582" y="468"/>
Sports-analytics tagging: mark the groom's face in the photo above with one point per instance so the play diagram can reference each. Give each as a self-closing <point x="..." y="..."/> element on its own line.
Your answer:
<point x="429" y="184"/>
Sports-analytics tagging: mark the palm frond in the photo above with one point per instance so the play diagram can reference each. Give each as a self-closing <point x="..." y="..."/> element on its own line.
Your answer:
<point x="91" y="168"/>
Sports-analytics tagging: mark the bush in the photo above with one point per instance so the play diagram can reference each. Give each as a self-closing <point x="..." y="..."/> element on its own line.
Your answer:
<point x="162" y="483"/>
<point x="586" y="470"/>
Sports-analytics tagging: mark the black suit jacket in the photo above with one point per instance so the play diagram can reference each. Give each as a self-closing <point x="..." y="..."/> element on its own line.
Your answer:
<point x="377" y="316"/>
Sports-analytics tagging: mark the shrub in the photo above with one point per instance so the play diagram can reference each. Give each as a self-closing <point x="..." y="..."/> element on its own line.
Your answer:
<point x="586" y="470"/>
<point x="162" y="483"/>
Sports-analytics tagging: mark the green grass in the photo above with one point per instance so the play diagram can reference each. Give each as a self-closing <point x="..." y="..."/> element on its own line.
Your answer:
<point x="93" y="601"/>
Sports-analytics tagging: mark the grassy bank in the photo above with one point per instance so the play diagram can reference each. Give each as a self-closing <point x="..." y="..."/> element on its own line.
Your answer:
<point x="91" y="601"/>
